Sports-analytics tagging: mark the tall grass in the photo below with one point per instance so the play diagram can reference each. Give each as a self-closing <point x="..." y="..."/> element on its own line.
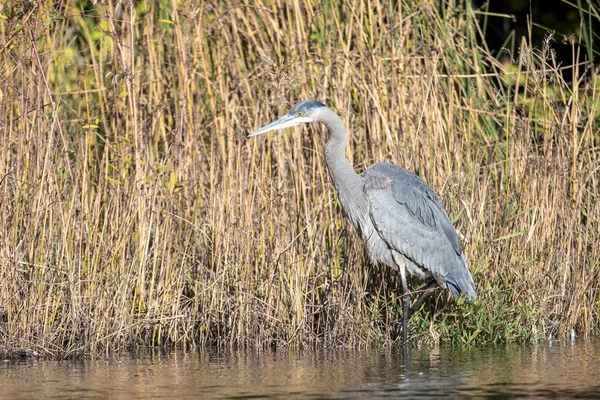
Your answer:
<point x="134" y="211"/>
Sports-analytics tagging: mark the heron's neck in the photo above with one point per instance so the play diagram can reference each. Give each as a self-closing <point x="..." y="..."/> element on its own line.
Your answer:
<point x="347" y="182"/>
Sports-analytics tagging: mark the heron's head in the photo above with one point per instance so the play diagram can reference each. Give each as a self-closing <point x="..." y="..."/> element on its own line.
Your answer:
<point x="301" y="113"/>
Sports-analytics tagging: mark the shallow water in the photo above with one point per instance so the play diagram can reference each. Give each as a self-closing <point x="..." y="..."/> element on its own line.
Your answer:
<point x="555" y="370"/>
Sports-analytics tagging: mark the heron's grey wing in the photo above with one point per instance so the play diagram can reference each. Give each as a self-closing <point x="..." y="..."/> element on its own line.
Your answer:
<point x="409" y="217"/>
<point x="425" y="204"/>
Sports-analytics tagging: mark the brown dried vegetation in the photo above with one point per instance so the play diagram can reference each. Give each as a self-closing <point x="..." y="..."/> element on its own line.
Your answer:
<point x="134" y="211"/>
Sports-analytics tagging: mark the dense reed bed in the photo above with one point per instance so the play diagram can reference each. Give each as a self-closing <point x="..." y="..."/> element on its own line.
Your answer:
<point x="134" y="211"/>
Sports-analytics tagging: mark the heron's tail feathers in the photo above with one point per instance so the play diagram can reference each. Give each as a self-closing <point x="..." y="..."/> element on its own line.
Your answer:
<point x="460" y="281"/>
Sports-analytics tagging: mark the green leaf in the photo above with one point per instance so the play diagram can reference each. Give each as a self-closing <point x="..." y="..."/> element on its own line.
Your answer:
<point x="509" y="236"/>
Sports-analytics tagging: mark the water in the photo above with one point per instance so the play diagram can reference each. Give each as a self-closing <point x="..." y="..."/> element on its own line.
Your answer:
<point x="544" y="371"/>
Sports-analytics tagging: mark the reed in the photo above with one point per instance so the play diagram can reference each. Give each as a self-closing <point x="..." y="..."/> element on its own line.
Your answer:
<point x="134" y="211"/>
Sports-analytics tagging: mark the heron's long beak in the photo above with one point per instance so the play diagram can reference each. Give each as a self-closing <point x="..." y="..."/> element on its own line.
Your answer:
<point x="286" y="121"/>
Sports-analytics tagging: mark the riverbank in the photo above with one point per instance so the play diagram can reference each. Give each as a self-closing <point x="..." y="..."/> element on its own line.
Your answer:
<point x="134" y="211"/>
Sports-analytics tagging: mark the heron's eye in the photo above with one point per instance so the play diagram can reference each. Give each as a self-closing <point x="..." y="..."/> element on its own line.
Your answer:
<point x="300" y="114"/>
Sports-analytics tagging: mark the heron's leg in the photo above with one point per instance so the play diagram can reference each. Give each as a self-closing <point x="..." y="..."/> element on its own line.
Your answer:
<point x="405" y="304"/>
<point x="431" y="286"/>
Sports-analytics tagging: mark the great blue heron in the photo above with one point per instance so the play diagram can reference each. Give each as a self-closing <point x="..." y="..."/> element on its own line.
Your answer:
<point x="400" y="219"/>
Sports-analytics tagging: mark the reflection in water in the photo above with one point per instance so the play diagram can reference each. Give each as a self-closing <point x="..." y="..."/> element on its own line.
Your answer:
<point x="559" y="370"/>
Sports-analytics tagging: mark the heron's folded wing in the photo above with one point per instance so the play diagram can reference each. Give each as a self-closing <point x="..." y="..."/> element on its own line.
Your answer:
<point x="408" y="216"/>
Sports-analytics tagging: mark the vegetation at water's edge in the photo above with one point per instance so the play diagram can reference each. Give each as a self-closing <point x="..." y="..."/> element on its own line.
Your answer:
<point x="134" y="211"/>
